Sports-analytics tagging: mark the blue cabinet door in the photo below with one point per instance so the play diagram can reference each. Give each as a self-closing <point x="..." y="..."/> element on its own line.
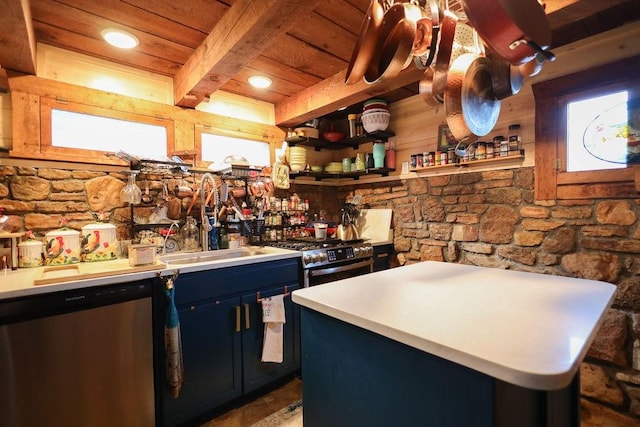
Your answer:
<point x="211" y="348"/>
<point x="256" y="372"/>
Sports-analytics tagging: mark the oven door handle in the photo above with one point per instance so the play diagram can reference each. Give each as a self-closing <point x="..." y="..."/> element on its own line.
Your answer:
<point x="341" y="268"/>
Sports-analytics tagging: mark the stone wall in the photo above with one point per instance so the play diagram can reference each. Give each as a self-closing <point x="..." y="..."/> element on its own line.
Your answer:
<point x="490" y="219"/>
<point x="37" y="199"/>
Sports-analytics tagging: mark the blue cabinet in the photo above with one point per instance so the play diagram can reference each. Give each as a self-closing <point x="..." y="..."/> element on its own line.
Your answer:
<point x="222" y="335"/>
<point x="382" y="257"/>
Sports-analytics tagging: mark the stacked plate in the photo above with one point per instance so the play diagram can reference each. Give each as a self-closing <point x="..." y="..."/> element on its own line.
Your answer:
<point x="333" y="167"/>
<point x="297" y="158"/>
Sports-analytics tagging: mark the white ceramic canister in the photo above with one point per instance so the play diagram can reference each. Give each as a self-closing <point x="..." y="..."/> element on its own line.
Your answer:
<point x="99" y="242"/>
<point x="30" y="253"/>
<point x="62" y="246"/>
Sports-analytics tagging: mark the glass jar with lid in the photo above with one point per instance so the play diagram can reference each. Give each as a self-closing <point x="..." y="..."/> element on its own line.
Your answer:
<point x="190" y="235"/>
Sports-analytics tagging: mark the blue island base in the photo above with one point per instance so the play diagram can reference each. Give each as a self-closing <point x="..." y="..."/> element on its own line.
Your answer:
<point x="353" y="377"/>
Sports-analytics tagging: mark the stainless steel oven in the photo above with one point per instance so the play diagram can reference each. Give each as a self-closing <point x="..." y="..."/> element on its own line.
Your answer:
<point x="329" y="260"/>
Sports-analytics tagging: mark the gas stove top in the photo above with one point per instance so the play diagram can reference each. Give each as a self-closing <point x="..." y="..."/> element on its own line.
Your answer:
<point x="316" y="253"/>
<point x="308" y="243"/>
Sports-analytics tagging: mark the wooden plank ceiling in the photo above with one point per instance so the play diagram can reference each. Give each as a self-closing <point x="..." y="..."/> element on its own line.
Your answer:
<point x="304" y="46"/>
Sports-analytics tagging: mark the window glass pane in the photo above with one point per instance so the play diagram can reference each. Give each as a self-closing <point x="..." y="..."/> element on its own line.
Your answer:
<point x="595" y="136"/>
<point x="215" y="148"/>
<point x="89" y="132"/>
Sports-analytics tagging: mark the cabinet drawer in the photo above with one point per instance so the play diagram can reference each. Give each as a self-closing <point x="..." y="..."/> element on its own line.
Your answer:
<point x="214" y="283"/>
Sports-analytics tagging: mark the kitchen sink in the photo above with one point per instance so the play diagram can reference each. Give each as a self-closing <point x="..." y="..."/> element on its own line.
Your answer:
<point x="208" y="256"/>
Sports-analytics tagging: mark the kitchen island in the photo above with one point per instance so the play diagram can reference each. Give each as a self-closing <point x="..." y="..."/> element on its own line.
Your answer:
<point x="447" y="344"/>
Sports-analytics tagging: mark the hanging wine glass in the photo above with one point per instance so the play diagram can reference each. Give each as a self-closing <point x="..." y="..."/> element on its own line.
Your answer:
<point x="131" y="193"/>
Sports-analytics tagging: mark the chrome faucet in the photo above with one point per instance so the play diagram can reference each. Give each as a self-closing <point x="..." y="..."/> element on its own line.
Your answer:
<point x="205" y="226"/>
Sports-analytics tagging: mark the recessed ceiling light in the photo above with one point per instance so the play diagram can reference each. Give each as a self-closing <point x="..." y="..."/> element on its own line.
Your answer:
<point x="120" y="38"/>
<point x="260" y="82"/>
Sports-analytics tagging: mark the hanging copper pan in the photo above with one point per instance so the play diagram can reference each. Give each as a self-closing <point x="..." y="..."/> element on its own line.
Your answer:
<point x="422" y="40"/>
<point x="426" y="88"/>
<point x="514" y="29"/>
<point x="506" y="78"/>
<point x="445" y="47"/>
<point x="395" y="41"/>
<point x="425" y="44"/>
<point x="366" y="43"/>
<point x="470" y="104"/>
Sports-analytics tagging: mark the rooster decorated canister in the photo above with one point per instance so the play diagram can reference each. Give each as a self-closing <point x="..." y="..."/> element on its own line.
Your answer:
<point x="62" y="246"/>
<point x="30" y="252"/>
<point x="99" y="242"/>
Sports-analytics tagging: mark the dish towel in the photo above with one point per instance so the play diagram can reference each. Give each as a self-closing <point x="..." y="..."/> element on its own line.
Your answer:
<point x="274" y="320"/>
<point x="173" y="346"/>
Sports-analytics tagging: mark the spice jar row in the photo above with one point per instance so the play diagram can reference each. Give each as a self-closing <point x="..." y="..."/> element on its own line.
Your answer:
<point x="480" y="150"/>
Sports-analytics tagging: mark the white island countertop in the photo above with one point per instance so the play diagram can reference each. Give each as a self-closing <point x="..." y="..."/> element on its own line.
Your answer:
<point x="531" y="330"/>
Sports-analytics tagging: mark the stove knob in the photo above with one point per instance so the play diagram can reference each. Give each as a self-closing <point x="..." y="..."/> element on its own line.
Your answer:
<point x="307" y="259"/>
<point x="356" y="251"/>
<point x="315" y="257"/>
<point x="323" y="257"/>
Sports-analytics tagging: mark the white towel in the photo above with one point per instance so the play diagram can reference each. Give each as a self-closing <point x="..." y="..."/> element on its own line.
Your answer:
<point x="274" y="320"/>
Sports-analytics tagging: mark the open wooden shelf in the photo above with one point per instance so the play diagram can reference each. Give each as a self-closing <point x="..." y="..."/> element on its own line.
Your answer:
<point x="319" y="144"/>
<point x="519" y="156"/>
<point x="353" y="175"/>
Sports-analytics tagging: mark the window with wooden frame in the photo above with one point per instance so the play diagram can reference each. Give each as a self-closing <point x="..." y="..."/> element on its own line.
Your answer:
<point x="84" y="133"/>
<point x="561" y="103"/>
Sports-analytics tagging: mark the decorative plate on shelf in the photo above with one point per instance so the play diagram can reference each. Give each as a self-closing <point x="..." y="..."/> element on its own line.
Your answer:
<point x="614" y="134"/>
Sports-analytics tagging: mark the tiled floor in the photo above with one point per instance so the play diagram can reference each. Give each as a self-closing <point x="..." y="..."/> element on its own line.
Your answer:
<point x="262" y="408"/>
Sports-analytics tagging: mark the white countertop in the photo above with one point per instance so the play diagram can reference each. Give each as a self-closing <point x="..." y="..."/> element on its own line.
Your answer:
<point x="528" y="329"/>
<point x="20" y="282"/>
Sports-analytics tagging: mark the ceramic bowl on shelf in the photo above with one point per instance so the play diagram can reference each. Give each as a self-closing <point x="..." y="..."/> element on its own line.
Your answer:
<point x="296" y="167"/>
<point x="378" y="121"/>
<point x="333" y="136"/>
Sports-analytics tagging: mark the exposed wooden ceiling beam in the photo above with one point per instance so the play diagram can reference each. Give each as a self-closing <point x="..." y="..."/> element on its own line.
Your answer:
<point x="240" y="36"/>
<point x="332" y="93"/>
<point x="18" y="40"/>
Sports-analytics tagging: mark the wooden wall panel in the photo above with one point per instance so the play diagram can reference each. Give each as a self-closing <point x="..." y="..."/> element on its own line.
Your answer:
<point x="25" y="124"/>
<point x="5" y="121"/>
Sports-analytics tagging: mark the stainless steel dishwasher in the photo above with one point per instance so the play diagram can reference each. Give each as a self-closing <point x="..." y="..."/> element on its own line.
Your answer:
<point x="78" y="358"/>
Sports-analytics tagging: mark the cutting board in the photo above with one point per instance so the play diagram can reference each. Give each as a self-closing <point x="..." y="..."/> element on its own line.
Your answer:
<point x="374" y="224"/>
<point x="67" y="273"/>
